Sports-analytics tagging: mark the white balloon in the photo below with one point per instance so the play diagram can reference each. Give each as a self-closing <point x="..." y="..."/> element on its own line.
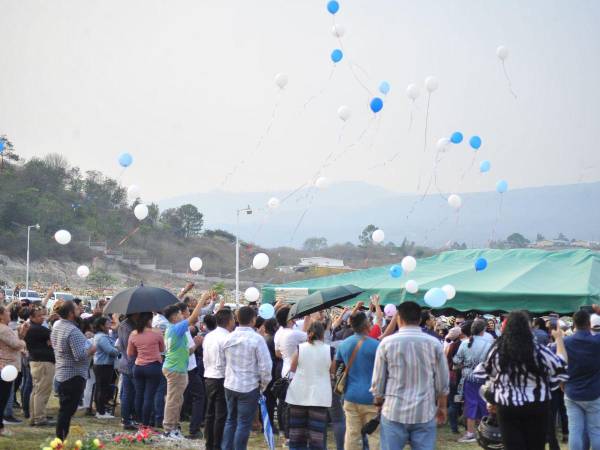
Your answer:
<point x="412" y="287"/>
<point x="9" y="373"/>
<point x="322" y="183"/>
<point x="449" y="290"/>
<point x="442" y="144"/>
<point x="338" y="31"/>
<point x="260" y="261"/>
<point x="273" y="203"/>
<point x="455" y="201"/>
<point x="83" y="271"/>
<point x="378" y="236"/>
<point x="408" y="263"/>
<point x="281" y="80"/>
<point x="140" y="211"/>
<point x="344" y="112"/>
<point x="195" y="264"/>
<point x="252" y="294"/>
<point x="431" y="83"/>
<point x="502" y="52"/>
<point x="63" y="237"/>
<point x="412" y="91"/>
<point x="133" y="191"/>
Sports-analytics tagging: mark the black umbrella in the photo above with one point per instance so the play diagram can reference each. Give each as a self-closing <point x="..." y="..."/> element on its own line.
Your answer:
<point x="140" y="299"/>
<point x="323" y="299"/>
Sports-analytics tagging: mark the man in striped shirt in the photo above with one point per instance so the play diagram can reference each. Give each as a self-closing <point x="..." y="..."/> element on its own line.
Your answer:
<point x="410" y="384"/>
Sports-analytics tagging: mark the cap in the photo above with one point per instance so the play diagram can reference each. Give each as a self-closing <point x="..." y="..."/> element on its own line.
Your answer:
<point x="453" y="334"/>
<point x="595" y="321"/>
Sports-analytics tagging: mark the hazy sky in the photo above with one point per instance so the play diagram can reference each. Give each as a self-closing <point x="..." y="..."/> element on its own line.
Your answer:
<point x="186" y="86"/>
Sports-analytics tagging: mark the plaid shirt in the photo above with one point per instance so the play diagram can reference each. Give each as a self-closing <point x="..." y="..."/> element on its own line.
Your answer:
<point x="247" y="361"/>
<point x="70" y="348"/>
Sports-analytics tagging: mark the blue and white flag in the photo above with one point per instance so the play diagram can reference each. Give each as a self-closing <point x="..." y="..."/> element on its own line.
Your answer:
<point x="267" y="429"/>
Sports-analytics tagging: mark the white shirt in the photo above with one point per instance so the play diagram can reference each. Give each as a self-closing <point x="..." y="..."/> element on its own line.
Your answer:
<point x="287" y="344"/>
<point x="192" y="364"/>
<point x="311" y="385"/>
<point x="213" y="358"/>
<point x="159" y="321"/>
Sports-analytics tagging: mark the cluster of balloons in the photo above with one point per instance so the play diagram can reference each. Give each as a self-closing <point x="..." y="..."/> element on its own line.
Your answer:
<point x="63" y="237"/>
<point x="251" y="294"/>
<point x="378" y="236"/>
<point x="125" y="159"/>
<point x="481" y="264"/>
<point x="195" y="264"/>
<point x="475" y="141"/>
<point x="260" y="261"/>
<point x="83" y="271"/>
<point x="140" y="211"/>
<point x="437" y="297"/>
<point x="266" y="311"/>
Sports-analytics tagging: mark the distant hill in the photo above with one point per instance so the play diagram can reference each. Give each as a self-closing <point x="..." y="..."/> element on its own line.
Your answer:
<point x="340" y="212"/>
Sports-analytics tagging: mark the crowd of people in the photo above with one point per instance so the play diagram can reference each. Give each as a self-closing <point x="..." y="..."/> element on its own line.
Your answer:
<point x="357" y="377"/>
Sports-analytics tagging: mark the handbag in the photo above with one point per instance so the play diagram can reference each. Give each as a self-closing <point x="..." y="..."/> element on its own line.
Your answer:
<point x="342" y="375"/>
<point x="280" y="387"/>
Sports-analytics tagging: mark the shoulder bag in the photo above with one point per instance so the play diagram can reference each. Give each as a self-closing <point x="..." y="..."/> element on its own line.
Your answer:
<point x="342" y="372"/>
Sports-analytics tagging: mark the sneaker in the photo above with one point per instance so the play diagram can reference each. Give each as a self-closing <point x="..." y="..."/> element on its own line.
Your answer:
<point x="104" y="416"/>
<point x="196" y="435"/>
<point x="174" y="434"/>
<point x="5" y="433"/>
<point x="45" y="423"/>
<point x="468" y="437"/>
<point x="10" y="420"/>
<point x="129" y="426"/>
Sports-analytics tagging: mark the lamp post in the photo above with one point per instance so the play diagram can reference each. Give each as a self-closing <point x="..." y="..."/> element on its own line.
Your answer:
<point x="248" y="211"/>
<point x="37" y="227"/>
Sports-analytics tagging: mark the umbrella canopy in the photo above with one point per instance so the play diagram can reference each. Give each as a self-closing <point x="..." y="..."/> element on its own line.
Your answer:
<point x="140" y="299"/>
<point x="323" y="299"/>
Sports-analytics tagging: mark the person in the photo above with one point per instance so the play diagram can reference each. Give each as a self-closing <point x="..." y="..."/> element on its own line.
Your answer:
<point x="287" y="338"/>
<point x="144" y="347"/>
<point x="540" y="332"/>
<point x="104" y="366"/>
<point x="428" y="323"/>
<point x="452" y="344"/>
<point x="268" y="330"/>
<point x="521" y="373"/>
<point x="124" y="366"/>
<point x="582" y="390"/>
<point x="72" y="353"/>
<point x="410" y="383"/>
<point x="214" y="376"/>
<point x="491" y="328"/>
<point x="41" y="362"/>
<point x="468" y="356"/>
<point x="309" y="393"/>
<point x="247" y="374"/>
<point x="358" y="400"/>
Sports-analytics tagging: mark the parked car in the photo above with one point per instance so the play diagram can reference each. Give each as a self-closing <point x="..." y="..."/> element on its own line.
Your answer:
<point x="32" y="296"/>
<point x="58" y="296"/>
<point x="9" y="294"/>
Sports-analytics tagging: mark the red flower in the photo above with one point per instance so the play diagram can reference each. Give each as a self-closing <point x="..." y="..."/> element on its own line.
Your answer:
<point x="139" y="438"/>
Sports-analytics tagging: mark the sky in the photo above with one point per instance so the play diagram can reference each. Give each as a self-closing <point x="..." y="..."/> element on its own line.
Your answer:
<point x="187" y="87"/>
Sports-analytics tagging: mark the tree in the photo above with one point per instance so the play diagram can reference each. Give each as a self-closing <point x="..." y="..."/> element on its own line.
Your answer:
<point x="539" y="238"/>
<point x="365" y="237"/>
<point x="191" y="220"/>
<point x="517" y="240"/>
<point x="100" y="278"/>
<point x="561" y="237"/>
<point x="315" y="244"/>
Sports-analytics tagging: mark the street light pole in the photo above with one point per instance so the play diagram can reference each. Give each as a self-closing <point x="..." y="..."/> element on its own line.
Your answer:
<point x="247" y="210"/>
<point x="37" y="227"/>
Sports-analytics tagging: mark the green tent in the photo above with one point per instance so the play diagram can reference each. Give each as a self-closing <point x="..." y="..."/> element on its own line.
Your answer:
<point x="536" y="280"/>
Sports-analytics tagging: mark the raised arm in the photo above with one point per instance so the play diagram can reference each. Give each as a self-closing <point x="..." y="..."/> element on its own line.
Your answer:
<point x="188" y="287"/>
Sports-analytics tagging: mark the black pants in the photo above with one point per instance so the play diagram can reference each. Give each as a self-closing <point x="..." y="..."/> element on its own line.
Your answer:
<point x="103" y="390"/>
<point x="524" y="427"/>
<point x="271" y="402"/>
<point x="559" y="409"/>
<point x="193" y="399"/>
<point x="216" y="413"/>
<point x="69" y="394"/>
<point x="5" y="388"/>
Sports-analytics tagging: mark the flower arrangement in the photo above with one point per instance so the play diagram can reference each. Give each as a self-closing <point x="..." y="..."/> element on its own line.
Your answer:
<point x="143" y="436"/>
<point x="86" y="444"/>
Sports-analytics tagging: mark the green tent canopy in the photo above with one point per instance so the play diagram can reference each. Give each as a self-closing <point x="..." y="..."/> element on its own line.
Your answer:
<point x="536" y="280"/>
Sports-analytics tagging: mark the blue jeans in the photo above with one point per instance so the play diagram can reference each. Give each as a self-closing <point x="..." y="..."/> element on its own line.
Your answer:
<point x="584" y="424"/>
<point x="146" y="379"/>
<point x="395" y="434"/>
<point x="8" y="410"/>
<point x="127" y="397"/>
<point x="159" y="402"/>
<point x="26" y="388"/>
<point x="241" y="410"/>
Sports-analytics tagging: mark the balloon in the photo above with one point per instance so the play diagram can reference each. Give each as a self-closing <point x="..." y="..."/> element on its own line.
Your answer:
<point x="260" y="261"/>
<point x="9" y="373"/>
<point x="1" y="147"/>
<point x="389" y="310"/>
<point x="281" y="80"/>
<point x="455" y="201"/>
<point x="125" y="159"/>
<point x="395" y="271"/>
<point x="337" y="55"/>
<point x="266" y="311"/>
<point x="195" y="264"/>
<point x="502" y="52"/>
<point x="376" y="105"/>
<point x="501" y="186"/>
<point x="411" y="286"/>
<point x="409" y="263"/>
<point x="456" y="137"/>
<point x="133" y="192"/>
<point x="435" y="297"/>
<point x="384" y="87"/>
<point x="449" y="290"/>
<point x="442" y="144"/>
<point x="338" y="31"/>
<point x="431" y="84"/>
<point x="273" y="203"/>
<point x="475" y="142"/>
<point x="412" y="91"/>
<point x="63" y="237"/>
<point x="485" y="166"/>
<point x="344" y="112"/>
<point x="378" y="236"/>
<point x="83" y="271"/>
<point x="480" y="264"/>
<point x="322" y="182"/>
<point x="252" y="294"/>
<point x="140" y="211"/>
<point x="333" y="6"/>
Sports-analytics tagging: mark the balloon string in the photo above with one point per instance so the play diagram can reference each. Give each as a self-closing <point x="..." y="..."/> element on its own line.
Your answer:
<point x="412" y="116"/>
<point x="469" y="169"/>
<point x="426" y="123"/>
<point x="303" y="215"/>
<point x="497" y="219"/>
<point x="322" y="90"/>
<point x="434" y="228"/>
<point x="508" y="80"/>
<point x="353" y="145"/>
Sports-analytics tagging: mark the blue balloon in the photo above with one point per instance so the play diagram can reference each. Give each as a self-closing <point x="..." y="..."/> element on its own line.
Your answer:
<point x="396" y="271"/>
<point x="337" y="55"/>
<point x="456" y="137"/>
<point x="266" y="311"/>
<point x="480" y="264"/>
<point x="1" y="147"/>
<point x="475" y="142"/>
<point x="501" y="186"/>
<point x="485" y="166"/>
<point x="384" y="87"/>
<point x="333" y="7"/>
<point x="435" y="297"/>
<point x="125" y="159"/>
<point x="376" y="105"/>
